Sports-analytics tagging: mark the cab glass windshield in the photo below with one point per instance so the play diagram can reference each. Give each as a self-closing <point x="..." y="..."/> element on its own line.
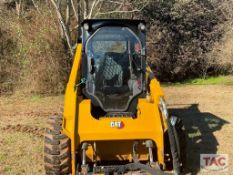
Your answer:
<point x="114" y="67"/>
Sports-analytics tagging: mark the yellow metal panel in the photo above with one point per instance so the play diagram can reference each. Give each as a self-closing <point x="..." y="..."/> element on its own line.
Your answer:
<point x="156" y="93"/>
<point x="70" y="105"/>
<point x="147" y="125"/>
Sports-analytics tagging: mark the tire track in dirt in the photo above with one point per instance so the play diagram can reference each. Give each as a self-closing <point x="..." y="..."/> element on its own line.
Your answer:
<point x="36" y="131"/>
<point x="31" y="114"/>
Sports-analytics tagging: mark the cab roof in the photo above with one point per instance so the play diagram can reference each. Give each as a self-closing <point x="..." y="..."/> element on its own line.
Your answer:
<point x="97" y="23"/>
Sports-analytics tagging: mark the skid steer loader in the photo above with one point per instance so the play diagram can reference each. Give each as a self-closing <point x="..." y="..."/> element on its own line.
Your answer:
<point x="115" y="119"/>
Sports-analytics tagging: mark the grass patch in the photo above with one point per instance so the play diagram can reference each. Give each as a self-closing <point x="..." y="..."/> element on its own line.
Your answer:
<point x="19" y="156"/>
<point x="211" y="80"/>
<point x="7" y="169"/>
<point x="35" y="98"/>
<point x="3" y="157"/>
<point x="219" y="80"/>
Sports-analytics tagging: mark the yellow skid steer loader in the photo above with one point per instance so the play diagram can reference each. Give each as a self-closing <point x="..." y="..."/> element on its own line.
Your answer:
<point x="115" y="119"/>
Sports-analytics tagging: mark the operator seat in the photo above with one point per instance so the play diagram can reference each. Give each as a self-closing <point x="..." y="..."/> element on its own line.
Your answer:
<point x="112" y="73"/>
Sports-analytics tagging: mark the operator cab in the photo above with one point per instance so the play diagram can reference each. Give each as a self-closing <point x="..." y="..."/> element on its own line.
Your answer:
<point x="114" y="64"/>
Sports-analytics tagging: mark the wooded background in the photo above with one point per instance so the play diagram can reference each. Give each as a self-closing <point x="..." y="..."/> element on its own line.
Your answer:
<point x="185" y="38"/>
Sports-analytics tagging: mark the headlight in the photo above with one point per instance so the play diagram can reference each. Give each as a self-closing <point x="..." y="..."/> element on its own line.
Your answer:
<point x="163" y="107"/>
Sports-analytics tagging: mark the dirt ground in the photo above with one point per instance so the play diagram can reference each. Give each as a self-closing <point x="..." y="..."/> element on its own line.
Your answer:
<point x="207" y="112"/>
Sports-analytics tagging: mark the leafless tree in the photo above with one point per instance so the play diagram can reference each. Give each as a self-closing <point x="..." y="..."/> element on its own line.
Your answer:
<point x="87" y="9"/>
<point x="63" y="24"/>
<point x="18" y="6"/>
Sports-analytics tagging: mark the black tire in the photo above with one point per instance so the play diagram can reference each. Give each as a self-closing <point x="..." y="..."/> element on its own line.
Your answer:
<point x="180" y="139"/>
<point x="179" y="135"/>
<point x="57" y="150"/>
